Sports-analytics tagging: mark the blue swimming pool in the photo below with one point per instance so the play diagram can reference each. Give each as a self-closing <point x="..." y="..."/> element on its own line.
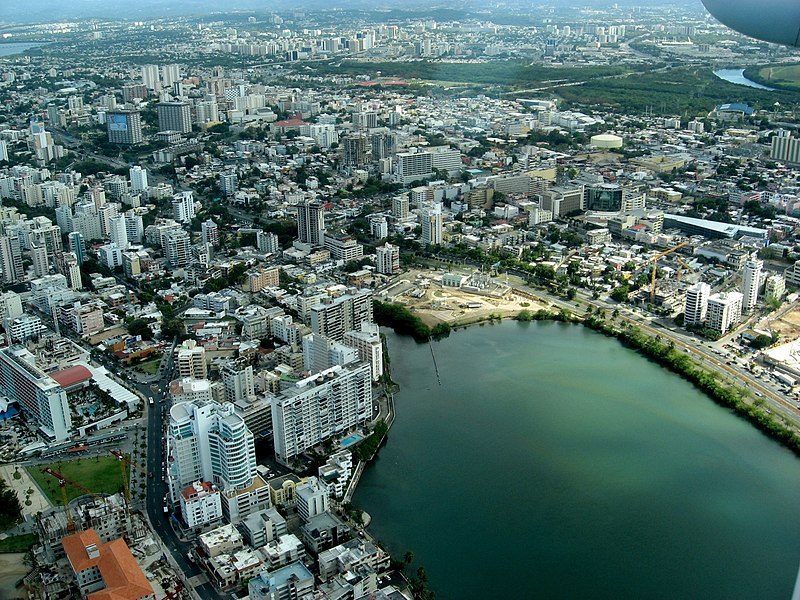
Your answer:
<point x="351" y="439"/>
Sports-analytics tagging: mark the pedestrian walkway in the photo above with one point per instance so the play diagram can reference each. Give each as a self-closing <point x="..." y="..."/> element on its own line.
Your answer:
<point x="31" y="503"/>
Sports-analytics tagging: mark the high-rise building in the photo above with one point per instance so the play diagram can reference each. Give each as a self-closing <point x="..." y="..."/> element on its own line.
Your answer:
<point x="150" y="78"/>
<point x="183" y="207"/>
<point x="378" y="227"/>
<point x="785" y="148"/>
<point x="118" y="232"/>
<point x="177" y="247"/>
<point x="319" y="408"/>
<point x="77" y="246"/>
<point x="41" y="398"/>
<point x="67" y="265"/>
<point x="227" y="183"/>
<point x="411" y="166"/>
<point x="724" y="311"/>
<point x="266" y="241"/>
<point x="138" y="179"/>
<point x="11" y="258"/>
<point x="367" y="341"/>
<point x="341" y="315"/>
<point x="3" y="150"/>
<point x="321" y="353"/>
<point x="774" y="287"/>
<point x="124" y="127"/>
<point x="209" y="233"/>
<point x="191" y="360"/>
<point x="311" y="222"/>
<point x="209" y="441"/>
<point x="170" y="74"/>
<point x="237" y="377"/>
<point x="400" y="207"/>
<point x="354" y="150"/>
<point x="174" y="116"/>
<point x="388" y="259"/>
<point x="696" y="304"/>
<point x="430" y="218"/>
<point x="606" y="197"/>
<point x="134" y="226"/>
<point x="751" y="282"/>
<point x="39" y="260"/>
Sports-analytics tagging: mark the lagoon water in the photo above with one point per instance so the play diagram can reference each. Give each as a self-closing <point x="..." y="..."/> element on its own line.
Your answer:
<point x="11" y="48"/>
<point x="737" y="76"/>
<point x="552" y="462"/>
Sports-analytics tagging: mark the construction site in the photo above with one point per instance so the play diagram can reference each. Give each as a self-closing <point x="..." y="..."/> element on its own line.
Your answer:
<point x="438" y="296"/>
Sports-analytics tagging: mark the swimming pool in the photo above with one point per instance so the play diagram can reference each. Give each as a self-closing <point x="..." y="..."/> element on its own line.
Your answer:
<point x="352" y="439"/>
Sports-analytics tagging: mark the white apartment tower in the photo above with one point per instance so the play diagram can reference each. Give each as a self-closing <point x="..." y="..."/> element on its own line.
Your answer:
<point x="209" y="441"/>
<point x="431" y="220"/>
<point x="696" y="304"/>
<point x="138" y="177"/>
<point x="400" y="207"/>
<point x="183" y="207"/>
<point x="388" y="259"/>
<point x="319" y="408"/>
<point x="751" y="280"/>
<point x="118" y="232"/>
<point x="724" y="311"/>
<point x="150" y="77"/>
<point x="237" y="377"/>
<point x="191" y="360"/>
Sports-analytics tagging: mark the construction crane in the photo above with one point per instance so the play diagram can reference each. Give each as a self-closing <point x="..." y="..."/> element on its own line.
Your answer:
<point x="683" y="266"/>
<point x="655" y="264"/>
<point x="62" y="483"/>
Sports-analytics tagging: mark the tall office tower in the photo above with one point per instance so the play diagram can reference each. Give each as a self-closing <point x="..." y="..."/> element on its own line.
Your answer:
<point x="209" y="233"/>
<point x="39" y="260"/>
<point x="124" y="127"/>
<point x="67" y="265"/>
<point x="118" y="232"/>
<point x="170" y="74"/>
<point x="367" y="341"/>
<point x="54" y="115"/>
<point x="311" y="222"/>
<point x="150" y="78"/>
<point x="388" y="259"/>
<point x="354" y="150"/>
<point x="320" y="407"/>
<point x="42" y="399"/>
<point x="237" y="377"/>
<point x="191" y="360"/>
<point x="384" y="145"/>
<point x="724" y="311"/>
<point x="136" y="91"/>
<point x="365" y="120"/>
<point x="430" y="218"/>
<point x="267" y="241"/>
<point x="11" y="258"/>
<point x="696" y="304"/>
<point x="227" y="183"/>
<point x="209" y="441"/>
<point x="134" y="226"/>
<point x="183" y="207"/>
<point x="751" y="281"/>
<point x="605" y="197"/>
<point x="3" y="150"/>
<point x="341" y="315"/>
<point x="400" y="207"/>
<point x="138" y="179"/>
<point x="77" y="246"/>
<point x="174" y="116"/>
<point x="178" y="248"/>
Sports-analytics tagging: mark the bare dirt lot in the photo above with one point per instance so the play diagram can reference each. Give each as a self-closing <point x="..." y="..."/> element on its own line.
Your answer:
<point x="787" y="326"/>
<point x="422" y="292"/>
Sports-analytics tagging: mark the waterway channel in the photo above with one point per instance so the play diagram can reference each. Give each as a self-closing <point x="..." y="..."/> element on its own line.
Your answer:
<point x="552" y="462"/>
<point x="737" y="76"/>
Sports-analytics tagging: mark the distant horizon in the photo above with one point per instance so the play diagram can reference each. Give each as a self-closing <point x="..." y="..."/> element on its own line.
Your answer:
<point x="43" y="11"/>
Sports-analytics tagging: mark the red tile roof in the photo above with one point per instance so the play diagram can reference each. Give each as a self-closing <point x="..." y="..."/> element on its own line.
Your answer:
<point x="72" y="376"/>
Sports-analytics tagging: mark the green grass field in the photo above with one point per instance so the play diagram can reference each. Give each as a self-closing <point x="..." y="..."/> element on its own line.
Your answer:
<point x="150" y="367"/>
<point x="100" y="475"/>
<point x="785" y="76"/>
<point x="17" y="543"/>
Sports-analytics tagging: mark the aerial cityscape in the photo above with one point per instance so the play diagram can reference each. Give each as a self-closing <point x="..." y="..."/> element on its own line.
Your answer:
<point x="407" y="301"/>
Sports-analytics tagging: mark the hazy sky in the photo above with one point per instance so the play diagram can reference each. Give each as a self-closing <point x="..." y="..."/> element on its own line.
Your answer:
<point x="17" y="11"/>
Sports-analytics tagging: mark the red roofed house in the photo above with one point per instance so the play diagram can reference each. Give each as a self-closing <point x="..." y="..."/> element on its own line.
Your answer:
<point x="293" y="124"/>
<point x="105" y="571"/>
<point x="201" y="504"/>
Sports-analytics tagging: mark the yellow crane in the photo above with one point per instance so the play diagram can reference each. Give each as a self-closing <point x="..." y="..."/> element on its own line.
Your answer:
<point x="655" y="264"/>
<point x="683" y="266"/>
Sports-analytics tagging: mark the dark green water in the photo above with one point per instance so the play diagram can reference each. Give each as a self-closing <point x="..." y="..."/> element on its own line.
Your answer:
<point x="554" y="463"/>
